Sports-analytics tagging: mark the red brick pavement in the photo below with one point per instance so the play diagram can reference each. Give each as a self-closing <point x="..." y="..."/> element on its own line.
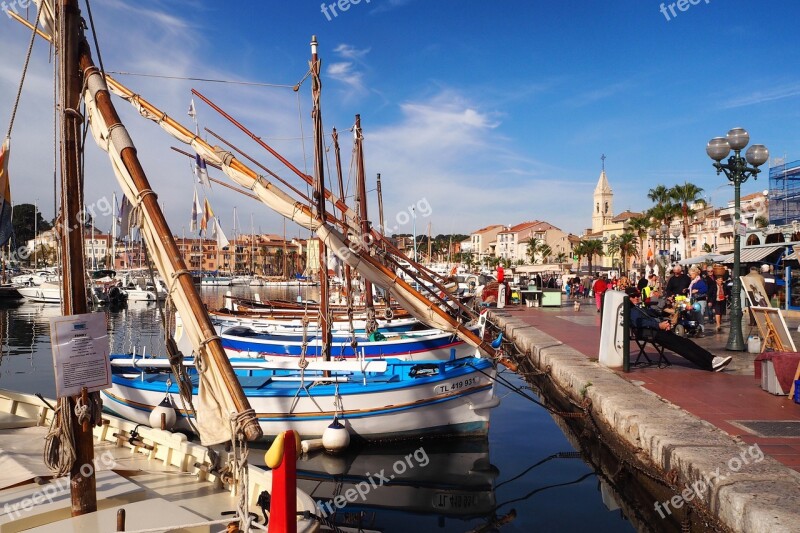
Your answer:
<point x="721" y="398"/>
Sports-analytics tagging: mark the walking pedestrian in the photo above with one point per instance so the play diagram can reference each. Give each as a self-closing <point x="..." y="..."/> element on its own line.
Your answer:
<point x="599" y="287"/>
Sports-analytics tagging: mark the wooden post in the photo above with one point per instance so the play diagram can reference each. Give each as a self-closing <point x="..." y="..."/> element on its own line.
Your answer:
<point x="73" y="296"/>
<point x="121" y="520"/>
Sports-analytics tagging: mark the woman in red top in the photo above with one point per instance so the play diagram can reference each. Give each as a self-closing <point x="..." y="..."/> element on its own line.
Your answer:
<point x="599" y="288"/>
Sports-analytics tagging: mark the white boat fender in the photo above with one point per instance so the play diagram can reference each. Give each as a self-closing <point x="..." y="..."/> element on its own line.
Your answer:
<point x="167" y="409"/>
<point x="228" y="301"/>
<point x="335" y="438"/>
<point x="311" y="445"/>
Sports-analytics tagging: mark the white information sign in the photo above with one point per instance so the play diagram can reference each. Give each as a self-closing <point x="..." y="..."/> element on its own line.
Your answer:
<point x="80" y="353"/>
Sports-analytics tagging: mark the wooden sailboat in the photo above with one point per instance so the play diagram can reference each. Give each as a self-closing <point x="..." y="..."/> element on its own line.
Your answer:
<point x="225" y="414"/>
<point x="374" y="400"/>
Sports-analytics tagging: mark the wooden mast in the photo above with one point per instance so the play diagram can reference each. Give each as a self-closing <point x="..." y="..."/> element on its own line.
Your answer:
<point x="362" y="212"/>
<point x="348" y="275"/>
<point x="73" y="291"/>
<point x="382" y="230"/>
<point x="319" y="198"/>
<point x="218" y="359"/>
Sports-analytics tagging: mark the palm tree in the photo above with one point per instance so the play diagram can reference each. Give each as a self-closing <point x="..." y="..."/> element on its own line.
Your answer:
<point x="591" y="248"/>
<point x="545" y="252"/>
<point x="533" y="248"/>
<point x="639" y="225"/>
<point x="686" y="194"/>
<point x="659" y="195"/>
<point x="579" y="250"/>
<point x="627" y="246"/>
<point x="561" y="258"/>
<point x="612" y="247"/>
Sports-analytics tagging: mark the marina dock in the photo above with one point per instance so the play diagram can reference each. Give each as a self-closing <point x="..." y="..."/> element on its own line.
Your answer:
<point x="684" y="426"/>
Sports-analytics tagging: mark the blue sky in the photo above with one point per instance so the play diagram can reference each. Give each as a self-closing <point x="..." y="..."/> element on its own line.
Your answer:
<point x="491" y="112"/>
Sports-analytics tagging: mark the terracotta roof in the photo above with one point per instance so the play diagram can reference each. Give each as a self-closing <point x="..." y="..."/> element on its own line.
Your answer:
<point x="488" y="228"/>
<point x="521" y="227"/>
<point x="625" y="215"/>
<point x="534" y="226"/>
<point x="752" y="196"/>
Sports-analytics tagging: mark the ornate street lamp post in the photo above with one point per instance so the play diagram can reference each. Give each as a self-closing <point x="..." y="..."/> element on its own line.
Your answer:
<point x="737" y="171"/>
<point x="676" y="232"/>
<point x="663" y="249"/>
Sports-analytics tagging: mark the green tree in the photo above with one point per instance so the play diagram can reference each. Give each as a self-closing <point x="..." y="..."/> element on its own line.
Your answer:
<point x="659" y="195"/>
<point x="533" y="249"/>
<point x="545" y="251"/>
<point x="561" y="258"/>
<point x="686" y="194"/>
<point x="591" y="248"/>
<point x="639" y="226"/>
<point x="627" y="245"/>
<point x="24" y="222"/>
<point x="612" y="247"/>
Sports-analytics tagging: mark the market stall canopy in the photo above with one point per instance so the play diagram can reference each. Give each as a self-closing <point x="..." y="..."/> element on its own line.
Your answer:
<point x="702" y="259"/>
<point x="533" y="269"/>
<point x="751" y="255"/>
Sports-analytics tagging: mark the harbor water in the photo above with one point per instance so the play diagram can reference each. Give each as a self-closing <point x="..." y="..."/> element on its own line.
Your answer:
<point x="526" y="477"/>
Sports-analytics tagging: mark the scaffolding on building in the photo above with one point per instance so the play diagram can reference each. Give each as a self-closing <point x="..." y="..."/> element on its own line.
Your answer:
<point x="784" y="193"/>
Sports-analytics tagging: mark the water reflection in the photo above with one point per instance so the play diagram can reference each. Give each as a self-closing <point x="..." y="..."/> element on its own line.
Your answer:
<point x="531" y="480"/>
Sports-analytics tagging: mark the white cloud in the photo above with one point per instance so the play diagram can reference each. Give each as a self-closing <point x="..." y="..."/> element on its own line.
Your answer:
<point x="779" y="92"/>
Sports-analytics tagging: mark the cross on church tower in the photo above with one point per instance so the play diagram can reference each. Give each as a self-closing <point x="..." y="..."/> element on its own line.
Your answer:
<point x="603" y="159"/>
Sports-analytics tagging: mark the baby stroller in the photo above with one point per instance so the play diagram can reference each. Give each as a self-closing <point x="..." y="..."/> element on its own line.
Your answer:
<point x="686" y="319"/>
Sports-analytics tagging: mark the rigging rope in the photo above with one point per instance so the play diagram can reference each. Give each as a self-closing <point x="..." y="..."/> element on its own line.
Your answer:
<point x="94" y="38"/>
<point x="209" y="80"/>
<point x="24" y="72"/>
<point x="59" y="445"/>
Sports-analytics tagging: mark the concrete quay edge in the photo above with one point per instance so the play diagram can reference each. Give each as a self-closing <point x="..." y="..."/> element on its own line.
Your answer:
<point x="744" y="494"/>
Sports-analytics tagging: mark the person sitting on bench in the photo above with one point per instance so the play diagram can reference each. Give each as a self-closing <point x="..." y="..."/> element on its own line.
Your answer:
<point x="642" y="319"/>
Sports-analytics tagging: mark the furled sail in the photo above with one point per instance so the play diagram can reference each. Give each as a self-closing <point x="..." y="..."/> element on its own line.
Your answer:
<point x="216" y="403"/>
<point x="277" y="200"/>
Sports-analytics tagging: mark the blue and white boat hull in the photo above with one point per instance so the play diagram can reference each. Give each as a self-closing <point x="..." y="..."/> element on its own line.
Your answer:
<point x="401" y="400"/>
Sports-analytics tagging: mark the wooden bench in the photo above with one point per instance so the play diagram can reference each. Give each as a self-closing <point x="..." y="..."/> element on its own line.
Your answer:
<point x="642" y="337"/>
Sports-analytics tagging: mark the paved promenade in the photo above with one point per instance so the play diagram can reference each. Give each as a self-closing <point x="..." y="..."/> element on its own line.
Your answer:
<point x="729" y="400"/>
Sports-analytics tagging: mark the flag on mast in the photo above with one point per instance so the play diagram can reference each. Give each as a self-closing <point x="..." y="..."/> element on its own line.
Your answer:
<point x="207" y="214"/>
<point x="196" y="208"/>
<point x="200" y="170"/>
<point x="192" y="112"/>
<point x="222" y="240"/>
<point x="6" y="228"/>
<point x="125" y="208"/>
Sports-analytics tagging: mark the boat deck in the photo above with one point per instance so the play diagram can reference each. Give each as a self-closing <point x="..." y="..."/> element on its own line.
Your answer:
<point x="161" y="487"/>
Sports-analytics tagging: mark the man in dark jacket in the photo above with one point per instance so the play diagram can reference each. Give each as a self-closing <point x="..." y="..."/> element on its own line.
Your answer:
<point x="678" y="283"/>
<point x="642" y="319"/>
